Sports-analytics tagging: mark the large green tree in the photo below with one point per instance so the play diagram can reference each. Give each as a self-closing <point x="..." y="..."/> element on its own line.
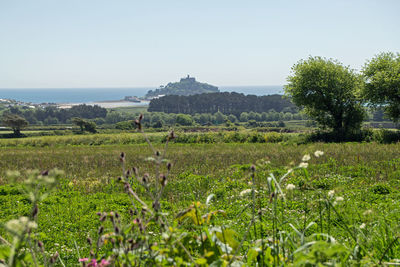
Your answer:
<point x="382" y="74"/>
<point x="15" y="122"/>
<point x="328" y="92"/>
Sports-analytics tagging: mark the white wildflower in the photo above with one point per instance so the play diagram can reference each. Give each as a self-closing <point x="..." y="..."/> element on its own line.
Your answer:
<point x="367" y="212"/>
<point x="306" y="157"/>
<point x="318" y="153"/>
<point x="331" y="193"/>
<point x="245" y="192"/>
<point x="18" y="227"/>
<point x="362" y="226"/>
<point x="303" y="165"/>
<point x="339" y="199"/>
<point x="290" y="187"/>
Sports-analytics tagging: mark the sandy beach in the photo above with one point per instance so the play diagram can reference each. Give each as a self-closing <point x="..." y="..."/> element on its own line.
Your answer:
<point x="108" y="104"/>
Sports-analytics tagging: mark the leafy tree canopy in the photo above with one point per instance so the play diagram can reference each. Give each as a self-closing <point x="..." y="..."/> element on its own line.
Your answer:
<point x="328" y="92"/>
<point x="15" y="122"/>
<point x="84" y="124"/>
<point x="382" y="88"/>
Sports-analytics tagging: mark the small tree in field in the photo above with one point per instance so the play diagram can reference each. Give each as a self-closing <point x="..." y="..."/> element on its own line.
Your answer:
<point x="84" y="125"/>
<point x="382" y="74"/>
<point x="327" y="91"/>
<point x="15" y="122"/>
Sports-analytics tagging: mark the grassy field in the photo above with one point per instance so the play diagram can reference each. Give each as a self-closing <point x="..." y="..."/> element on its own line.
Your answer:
<point x="131" y="110"/>
<point x="366" y="176"/>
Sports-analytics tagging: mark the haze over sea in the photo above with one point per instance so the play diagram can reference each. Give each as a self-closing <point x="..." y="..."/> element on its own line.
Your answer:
<point x="88" y="95"/>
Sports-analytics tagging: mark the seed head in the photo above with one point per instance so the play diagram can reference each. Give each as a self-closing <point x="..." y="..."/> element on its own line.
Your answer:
<point x="171" y="135"/>
<point x="145" y="178"/>
<point x="35" y="211"/>
<point x="135" y="171"/>
<point x="40" y="244"/>
<point x="122" y="157"/>
<point x="103" y="217"/>
<point x="53" y="259"/>
<point x="163" y="180"/>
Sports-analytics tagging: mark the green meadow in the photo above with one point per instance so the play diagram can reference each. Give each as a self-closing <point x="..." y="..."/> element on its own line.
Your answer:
<point x="346" y="201"/>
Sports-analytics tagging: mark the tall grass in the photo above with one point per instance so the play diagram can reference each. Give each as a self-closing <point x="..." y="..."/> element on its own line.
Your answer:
<point x="216" y="207"/>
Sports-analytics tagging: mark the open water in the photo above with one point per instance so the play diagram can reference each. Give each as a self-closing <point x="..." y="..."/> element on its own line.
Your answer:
<point x="90" y="95"/>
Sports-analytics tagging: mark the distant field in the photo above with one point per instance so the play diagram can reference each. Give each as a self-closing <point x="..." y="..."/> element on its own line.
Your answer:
<point x="131" y="110"/>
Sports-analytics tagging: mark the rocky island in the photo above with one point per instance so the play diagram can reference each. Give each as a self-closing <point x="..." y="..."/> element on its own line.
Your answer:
<point x="186" y="86"/>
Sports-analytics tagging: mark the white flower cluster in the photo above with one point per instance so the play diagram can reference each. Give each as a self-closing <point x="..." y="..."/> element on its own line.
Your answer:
<point x="303" y="165"/>
<point x="307" y="157"/>
<point x="290" y="187"/>
<point x="318" y="153"/>
<point x="19" y="226"/>
<point x="245" y="192"/>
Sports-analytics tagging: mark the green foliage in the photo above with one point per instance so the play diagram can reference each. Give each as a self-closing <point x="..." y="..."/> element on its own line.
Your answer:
<point x="26" y="247"/>
<point x="125" y="125"/>
<point x="225" y="102"/>
<point x="382" y="74"/>
<point x="15" y="122"/>
<point x="183" y="119"/>
<point x="52" y="115"/>
<point x="85" y="125"/>
<point x="328" y="92"/>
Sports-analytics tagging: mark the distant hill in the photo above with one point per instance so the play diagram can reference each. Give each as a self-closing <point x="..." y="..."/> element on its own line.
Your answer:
<point x="186" y="86"/>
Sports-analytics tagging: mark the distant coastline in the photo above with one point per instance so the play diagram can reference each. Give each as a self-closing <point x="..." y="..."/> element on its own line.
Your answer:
<point x="107" y="104"/>
<point x="107" y="96"/>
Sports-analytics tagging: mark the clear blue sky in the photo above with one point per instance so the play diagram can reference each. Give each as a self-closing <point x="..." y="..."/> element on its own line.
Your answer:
<point x="107" y="43"/>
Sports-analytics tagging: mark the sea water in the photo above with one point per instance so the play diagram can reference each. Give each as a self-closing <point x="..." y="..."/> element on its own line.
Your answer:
<point x="90" y="95"/>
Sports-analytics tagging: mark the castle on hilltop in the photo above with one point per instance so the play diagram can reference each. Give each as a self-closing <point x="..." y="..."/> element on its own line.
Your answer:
<point x="186" y="86"/>
<point x="188" y="79"/>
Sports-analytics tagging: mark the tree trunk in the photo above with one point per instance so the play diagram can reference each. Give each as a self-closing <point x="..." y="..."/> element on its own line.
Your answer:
<point x="17" y="131"/>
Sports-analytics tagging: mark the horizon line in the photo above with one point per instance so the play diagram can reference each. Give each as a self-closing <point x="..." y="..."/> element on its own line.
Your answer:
<point x="124" y="87"/>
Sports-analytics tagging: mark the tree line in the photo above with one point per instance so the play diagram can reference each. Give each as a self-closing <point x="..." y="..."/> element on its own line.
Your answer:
<point x="161" y="119"/>
<point x="226" y="103"/>
<point x="53" y="115"/>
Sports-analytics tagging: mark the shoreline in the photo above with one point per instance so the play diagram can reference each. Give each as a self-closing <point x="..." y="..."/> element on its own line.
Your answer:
<point x="106" y="104"/>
